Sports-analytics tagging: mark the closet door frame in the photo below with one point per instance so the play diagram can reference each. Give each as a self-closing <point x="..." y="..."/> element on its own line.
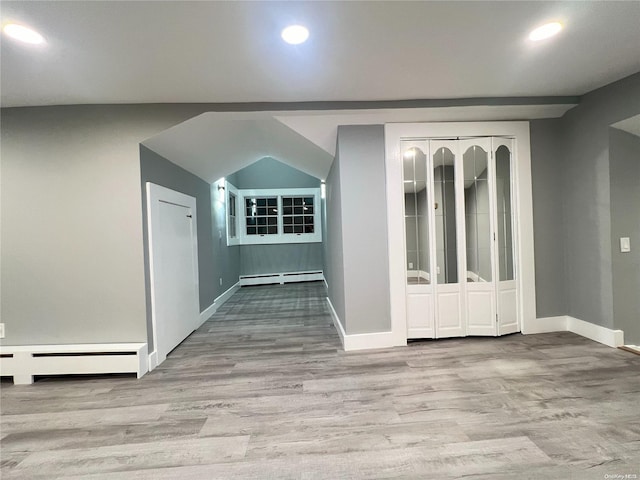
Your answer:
<point x="522" y="194"/>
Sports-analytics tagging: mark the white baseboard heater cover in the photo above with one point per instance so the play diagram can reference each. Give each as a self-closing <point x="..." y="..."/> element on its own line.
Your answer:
<point x="24" y="361"/>
<point x="281" y="278"/>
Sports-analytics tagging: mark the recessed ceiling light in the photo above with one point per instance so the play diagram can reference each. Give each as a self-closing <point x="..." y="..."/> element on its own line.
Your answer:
<point x="295" y="34"/>
<point x="545" y="31"/>
<point x="22" y="33"/>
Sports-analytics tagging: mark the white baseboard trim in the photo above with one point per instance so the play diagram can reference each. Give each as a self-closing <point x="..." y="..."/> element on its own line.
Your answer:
<point x="565" y="323"/>
<point x="368" y="341"/>
<point x="360" y="341"/>
<point x="153" y="360"/>
<point x="336" y="322"/>
<point x="597" y="333"/>
<point x="217" y="303"/>
<point x="545" y="325"/>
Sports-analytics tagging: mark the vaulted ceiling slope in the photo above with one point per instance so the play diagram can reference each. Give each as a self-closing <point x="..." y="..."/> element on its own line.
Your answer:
<point x="214" y="145"/>
<point x="213" y="51"/>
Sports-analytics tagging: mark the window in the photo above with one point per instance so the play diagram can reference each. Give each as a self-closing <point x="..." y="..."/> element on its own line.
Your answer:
<point x="232" y="215"/>
<point x="271" y="216"/>
<point x="297" y="215"/>
<point x="261" y="215"/>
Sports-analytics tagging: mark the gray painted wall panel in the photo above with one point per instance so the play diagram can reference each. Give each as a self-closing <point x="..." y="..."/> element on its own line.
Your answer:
<point x="72" y="255"/>
<point x="270" y="173"/>
<point x="624" y="157"/>
<point x="548" y="217"/>
<point x="364" y="228"/>
<point x="294" y="257"/>
<point x="587" y="197"/>
<point x="333" y="248"/>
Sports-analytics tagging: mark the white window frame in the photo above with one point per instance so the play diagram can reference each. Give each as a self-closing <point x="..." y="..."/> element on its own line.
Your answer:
<point x="232" y="190"/>
<point x="281" y="237"/>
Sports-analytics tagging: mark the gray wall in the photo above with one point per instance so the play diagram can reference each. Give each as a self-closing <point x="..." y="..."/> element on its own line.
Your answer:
<point x="547" y="166"/>
<point x="215" y="259"/>
<point x="333" y="249"/>
<point x="282" y="257"/>
<point x="291" y="257"/>
<point x="363" y="206"/>
<point x="624" y="171"/>
<point x="270" y="173"/>
<point x="587" y="197"/>
<point x="72" y="249"/>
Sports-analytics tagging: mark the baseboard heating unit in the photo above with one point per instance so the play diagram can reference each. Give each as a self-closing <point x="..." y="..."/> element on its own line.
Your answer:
<point x="281" y="278"/>
<point x="24" y="361"/>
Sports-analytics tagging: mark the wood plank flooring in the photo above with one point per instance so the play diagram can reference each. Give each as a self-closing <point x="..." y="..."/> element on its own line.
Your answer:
<point x="262" y="390"/>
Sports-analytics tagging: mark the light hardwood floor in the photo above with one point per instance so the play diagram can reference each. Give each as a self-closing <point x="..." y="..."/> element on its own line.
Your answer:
<point x="262" y="390"/>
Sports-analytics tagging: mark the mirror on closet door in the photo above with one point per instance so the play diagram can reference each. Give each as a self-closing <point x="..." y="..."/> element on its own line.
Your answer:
<point x="415" y="215"/>
<point x="477" y="220"/>
<point x="504" y="214"/>
<point x="445" y="216"/>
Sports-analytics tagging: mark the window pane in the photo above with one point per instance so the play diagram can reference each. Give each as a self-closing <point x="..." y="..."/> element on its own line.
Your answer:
<point x="262" y="212"/>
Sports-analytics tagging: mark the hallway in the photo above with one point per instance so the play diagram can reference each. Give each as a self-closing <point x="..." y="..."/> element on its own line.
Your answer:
<point x="264" y="390"/>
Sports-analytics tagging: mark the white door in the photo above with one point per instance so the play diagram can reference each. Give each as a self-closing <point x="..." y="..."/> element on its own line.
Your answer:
<point x="417" y="191"/>
<point x="447" y="243"/>
<point x="174" y="267"/>
<point x="506" y="290"/>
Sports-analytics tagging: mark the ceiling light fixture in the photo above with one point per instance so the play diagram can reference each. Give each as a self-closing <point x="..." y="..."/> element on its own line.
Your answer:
<point x="295" y="34"/>
<point x="545" y="31"/>
<point x="23" y="34"/>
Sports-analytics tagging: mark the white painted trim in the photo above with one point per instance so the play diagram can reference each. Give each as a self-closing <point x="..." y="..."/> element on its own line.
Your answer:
<point x="231" y="189"/>
<point x="280" y="237"/>
<point x="22" y="365"/>
<point x="336" y="322"/>
<point x="368" y="341"/>
<point x="597" y="333"/>
<point x="360" y="341"/>
<point x="153" y="360"/>
<point x="281" y="278"/>
<point x="546" y="325"/>
<point x="207" y="312"/>
<point x="523" y="229"/>
<point x="217" y="303"/>
<point x="566" y="323"/>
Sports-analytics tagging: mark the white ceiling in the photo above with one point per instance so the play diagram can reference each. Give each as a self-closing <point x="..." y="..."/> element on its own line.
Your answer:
<point x="201" y="51"/>
<point x="216" y="144"/>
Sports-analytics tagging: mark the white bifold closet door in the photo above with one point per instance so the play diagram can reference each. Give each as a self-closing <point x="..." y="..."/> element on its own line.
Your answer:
<point x="459" y="221"/>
